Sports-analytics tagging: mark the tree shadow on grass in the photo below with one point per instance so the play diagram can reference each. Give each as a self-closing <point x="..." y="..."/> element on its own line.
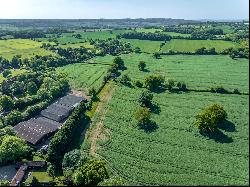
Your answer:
<point x="158" y="91"/>
<point x="150" y="127"/>
<point x="227" y="126"/>
<point x="217" y="136"/>
<point x="155" y="108"/>
<point x="145" y="70"/>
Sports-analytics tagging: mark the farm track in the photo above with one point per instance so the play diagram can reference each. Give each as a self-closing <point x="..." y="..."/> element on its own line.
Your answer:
<point x="98" y="127"/>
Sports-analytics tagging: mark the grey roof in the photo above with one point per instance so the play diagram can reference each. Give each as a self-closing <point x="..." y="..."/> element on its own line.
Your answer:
<point x="62" y="108"/>
<point x="56" y="112"/>
<point x="70" y="100"/>
<point x="36" y="129"/>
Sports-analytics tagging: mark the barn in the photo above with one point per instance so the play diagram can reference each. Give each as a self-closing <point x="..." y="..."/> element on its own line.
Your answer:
<point x="62" y="108"/>
<point x="36" y="129"/>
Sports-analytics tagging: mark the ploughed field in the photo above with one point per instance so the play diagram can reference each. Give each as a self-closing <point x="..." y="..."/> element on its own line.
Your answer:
<point x="174" y="152"/>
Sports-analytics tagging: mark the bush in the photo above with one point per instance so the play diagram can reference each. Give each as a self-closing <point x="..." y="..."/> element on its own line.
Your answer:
<point x="31" y="88"/>
<point x="138" y="83"/>
<point x="236" y="91"/>
<point x="6" y="103"/>
<point x="91" y="173"/>
<point x="181" y="86"/>
<point x="170" y="84"/>
<point x="125" y="80"/>
<point x="145" y="99"/>
<point x="208" y="119"/>
<point x="114" y="181"/>
<point x="141" y="65"/>
<point x="70" y="161"/>
<point x="219" y="89"/>
<point x="13" y="118"/>
<point x="6" y="73"/>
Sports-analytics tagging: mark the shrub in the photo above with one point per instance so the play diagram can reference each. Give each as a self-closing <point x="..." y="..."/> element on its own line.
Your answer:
<point x="236" y="91"/>
<point x="13" y="118"/>
<point x="145" y="99"/>
<point x="6" y="73"/>
<point x="181" y="86"/>
<point x="156" y="55"/>
<point x="91" y="173"/>
<point x="31" y="88"/>
<point x="138" y="83"/>
<point x="208" y="119"/>
<point x="6" y="103"/>
<point x="114" y="181"/>
<point x="170" y="84"/>
<point x="51" y="170"/>
<point x="125" y="80"/>
<point x="141" y="65"/>
<point x="219" y="89"/>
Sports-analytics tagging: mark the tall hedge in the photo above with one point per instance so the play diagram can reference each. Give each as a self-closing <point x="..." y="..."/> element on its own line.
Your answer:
<point x="68" y="136"/>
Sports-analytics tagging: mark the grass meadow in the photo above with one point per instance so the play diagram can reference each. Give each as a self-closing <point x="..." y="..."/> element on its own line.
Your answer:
<point x="174" y="152"/>
<point x="25" y="47"/>
<point x="84" y="76"/>
<point x="192" y="45"/>
<point x="197" y="71"/>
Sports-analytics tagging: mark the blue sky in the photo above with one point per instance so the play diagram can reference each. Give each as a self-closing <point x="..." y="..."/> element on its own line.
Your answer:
<point x="73" y="9"/>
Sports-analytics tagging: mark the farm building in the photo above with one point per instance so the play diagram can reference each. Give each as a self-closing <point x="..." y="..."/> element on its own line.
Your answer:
<point x="36" y="129"/>
<point x="62" y="108"/>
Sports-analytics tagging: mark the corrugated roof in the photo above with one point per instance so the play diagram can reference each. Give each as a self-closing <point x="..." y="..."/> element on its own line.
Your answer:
<point x="35" y="129"/>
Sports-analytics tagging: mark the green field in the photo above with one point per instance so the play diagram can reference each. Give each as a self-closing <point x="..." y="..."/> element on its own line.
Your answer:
<point x="175" y="153"/>
<point x="192" y="45"/>
<point x="176" y="34"/>
<point x="85" y="76"/>
<point x="198" y="72"/>
<point x="148" y="30"/>
<point x="145" y="45"/>
<point x="25" y="47"/>
<point x="67" y="38"/>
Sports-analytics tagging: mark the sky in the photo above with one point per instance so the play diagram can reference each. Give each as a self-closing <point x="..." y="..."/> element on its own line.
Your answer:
<point x="87" y="9"/>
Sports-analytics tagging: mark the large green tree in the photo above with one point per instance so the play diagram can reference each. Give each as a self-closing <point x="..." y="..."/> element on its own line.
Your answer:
<point x="154" y="82"/>
<point x="91" y="173"/>
<point x="12" y="149"/>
